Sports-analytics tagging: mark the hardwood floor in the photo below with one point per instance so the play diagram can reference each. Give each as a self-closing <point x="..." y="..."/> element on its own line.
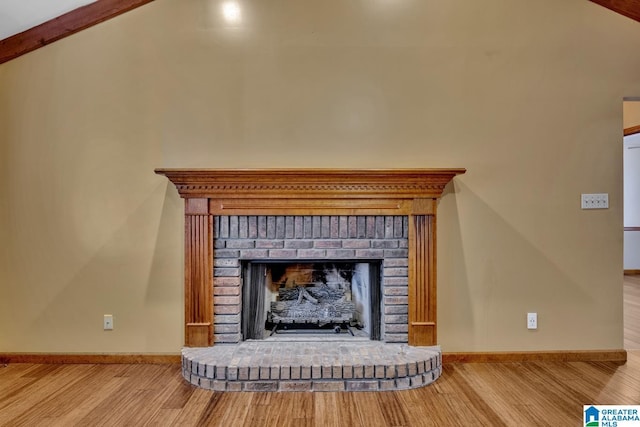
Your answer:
<point x="632" y="312"/>
<point x="491" y="394"/>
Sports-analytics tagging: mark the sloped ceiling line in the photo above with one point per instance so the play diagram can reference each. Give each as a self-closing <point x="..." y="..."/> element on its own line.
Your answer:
<point x="63" y="26"/>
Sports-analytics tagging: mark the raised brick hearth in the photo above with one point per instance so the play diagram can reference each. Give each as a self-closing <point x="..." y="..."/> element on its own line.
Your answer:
<point x="311" y="366"/>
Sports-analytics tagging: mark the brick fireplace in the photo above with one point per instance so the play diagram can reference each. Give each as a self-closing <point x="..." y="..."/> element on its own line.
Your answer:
<point x="331" y="240"/>
<point x="236" y="216"/>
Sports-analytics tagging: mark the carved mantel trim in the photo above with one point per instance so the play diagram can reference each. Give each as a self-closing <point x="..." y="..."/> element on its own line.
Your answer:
<point x="310" y="183"/>
<point x="209" y="192"/>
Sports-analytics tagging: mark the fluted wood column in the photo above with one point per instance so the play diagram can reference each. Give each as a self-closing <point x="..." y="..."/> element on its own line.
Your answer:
<point x="198" y="273"/>
<point x="422" y="280"/>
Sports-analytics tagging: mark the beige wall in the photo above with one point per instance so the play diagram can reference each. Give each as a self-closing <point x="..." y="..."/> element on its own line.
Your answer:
<point x="526" y="95"/>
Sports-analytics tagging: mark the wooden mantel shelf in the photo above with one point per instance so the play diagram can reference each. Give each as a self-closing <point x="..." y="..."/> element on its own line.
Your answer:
<point x="310" y="191"/>
<point x="309" y="183"/>
<point x="210" y="192"/>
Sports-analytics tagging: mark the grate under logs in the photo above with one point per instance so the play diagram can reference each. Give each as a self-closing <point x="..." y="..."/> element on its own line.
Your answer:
<point x="312" y="305"/>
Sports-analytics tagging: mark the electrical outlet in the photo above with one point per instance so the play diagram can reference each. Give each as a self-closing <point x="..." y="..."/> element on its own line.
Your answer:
<point x="108" y="322"/>
<point x="595" y="201"/>
<point x="532" y="320"/>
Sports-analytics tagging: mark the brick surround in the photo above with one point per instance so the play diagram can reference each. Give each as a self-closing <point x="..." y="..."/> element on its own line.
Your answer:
<point x="312" y="238"/>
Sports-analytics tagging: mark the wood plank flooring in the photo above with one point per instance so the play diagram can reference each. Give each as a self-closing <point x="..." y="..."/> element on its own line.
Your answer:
<point x="491" y="394"/>
<point x="632" y="312"/>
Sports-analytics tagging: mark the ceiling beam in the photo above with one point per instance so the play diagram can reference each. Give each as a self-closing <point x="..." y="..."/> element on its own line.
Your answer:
<point x="628" y="8"/>
<point x="63" y="26"/>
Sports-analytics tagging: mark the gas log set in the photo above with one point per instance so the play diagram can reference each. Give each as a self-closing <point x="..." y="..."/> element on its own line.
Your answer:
<point x="313" y="298"/>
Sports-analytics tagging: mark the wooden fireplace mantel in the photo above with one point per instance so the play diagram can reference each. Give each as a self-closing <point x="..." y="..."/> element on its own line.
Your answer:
<point x="210" y="192"/>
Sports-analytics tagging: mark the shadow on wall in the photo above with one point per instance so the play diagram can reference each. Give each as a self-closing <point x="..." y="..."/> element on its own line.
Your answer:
<point x="165" y="288"/>
<point x="136" y="275"/>
<point x="490" y="275"/>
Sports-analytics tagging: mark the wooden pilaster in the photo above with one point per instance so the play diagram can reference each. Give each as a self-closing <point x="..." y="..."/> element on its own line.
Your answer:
<point x="198" y="273"/>
<point x="422" y="283"/>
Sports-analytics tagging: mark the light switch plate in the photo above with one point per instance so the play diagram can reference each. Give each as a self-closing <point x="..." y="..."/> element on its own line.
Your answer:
<point x="595" y="201"/>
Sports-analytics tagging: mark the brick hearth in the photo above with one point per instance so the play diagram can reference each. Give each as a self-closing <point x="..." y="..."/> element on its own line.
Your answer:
<point x="311" y="366"/>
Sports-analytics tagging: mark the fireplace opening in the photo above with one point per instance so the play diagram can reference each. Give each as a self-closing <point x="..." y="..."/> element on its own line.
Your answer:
<point x="302" y="298"/>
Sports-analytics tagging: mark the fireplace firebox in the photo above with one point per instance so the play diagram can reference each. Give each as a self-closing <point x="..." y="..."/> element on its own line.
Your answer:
<point x="310" y="298"/>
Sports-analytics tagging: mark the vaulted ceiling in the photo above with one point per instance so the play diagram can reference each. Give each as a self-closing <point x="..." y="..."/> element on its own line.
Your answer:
<point x="26" y="25"/>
